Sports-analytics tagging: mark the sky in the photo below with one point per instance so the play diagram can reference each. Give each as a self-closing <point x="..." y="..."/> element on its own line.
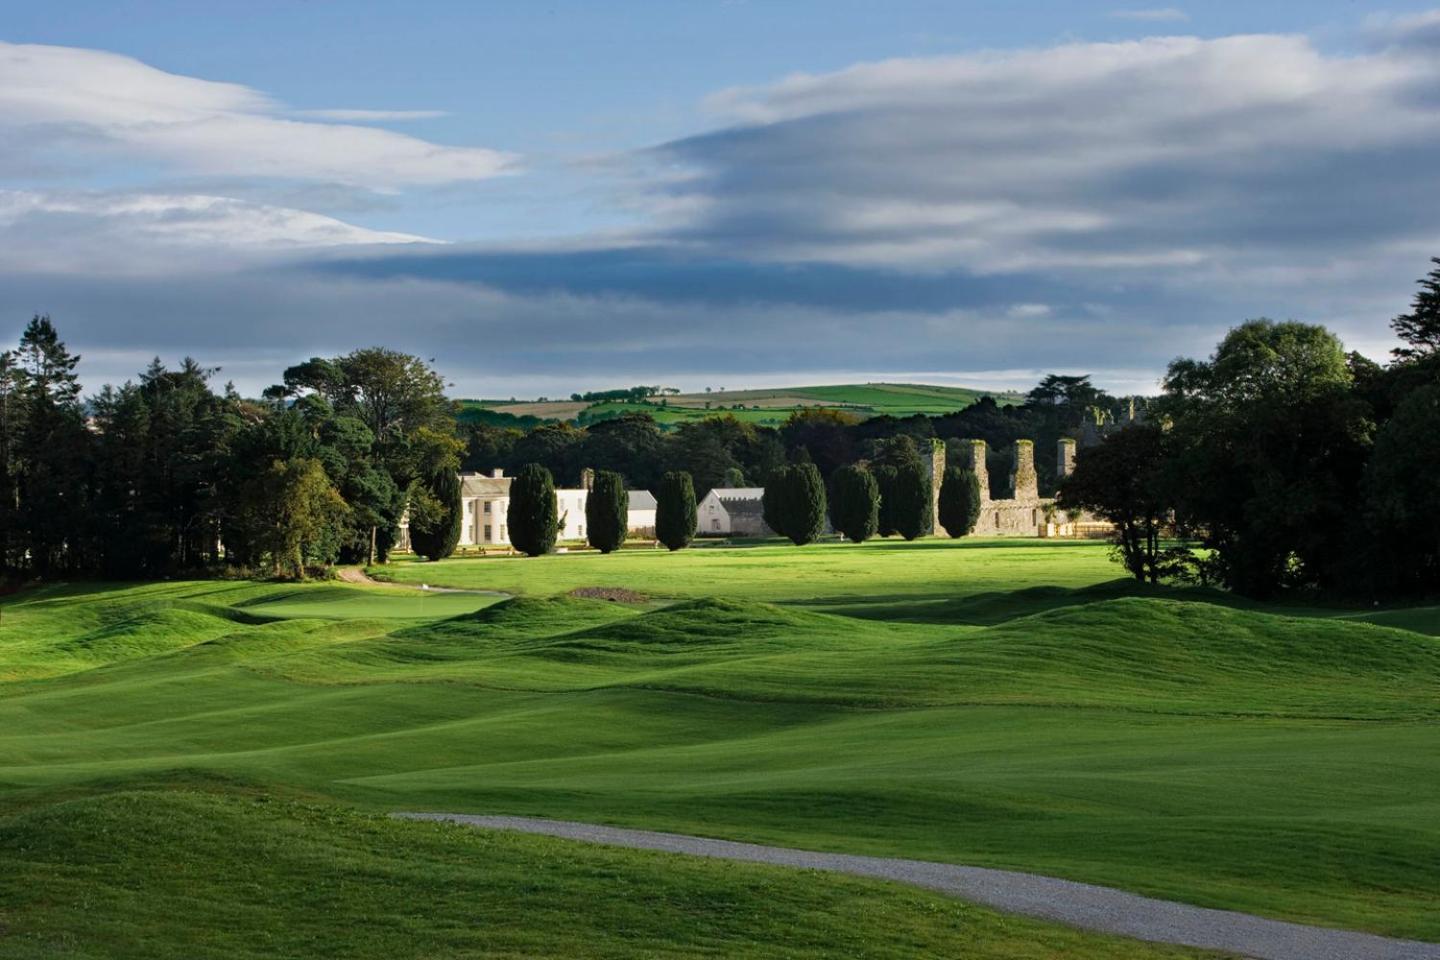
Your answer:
<point x="546" y="197"/>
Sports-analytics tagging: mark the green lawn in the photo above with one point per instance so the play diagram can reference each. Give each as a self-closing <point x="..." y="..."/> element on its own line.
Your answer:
<point x="154" y="875"/>
<point x="1003" y="703"/>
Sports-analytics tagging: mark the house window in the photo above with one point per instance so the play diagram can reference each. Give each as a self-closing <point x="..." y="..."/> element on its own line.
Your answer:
<point x="715" y="524"/>
<point x="487" y="506"/>
<point x="582" y="529"/>
<point x="487" y="533"/>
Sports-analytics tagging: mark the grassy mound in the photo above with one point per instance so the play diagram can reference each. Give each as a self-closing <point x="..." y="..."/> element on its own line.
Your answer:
<point x="159" y="875"/>
<point x="1235" y="757"/>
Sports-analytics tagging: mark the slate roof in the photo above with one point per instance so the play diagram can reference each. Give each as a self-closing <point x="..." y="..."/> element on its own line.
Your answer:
<point x="480" y="485"/>
<point x="642" y="500"/>
<point x="741" y="501"/>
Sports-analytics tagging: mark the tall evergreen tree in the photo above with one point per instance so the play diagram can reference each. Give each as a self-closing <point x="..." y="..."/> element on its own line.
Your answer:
<point x="533" y="518"/>
<point x="1420" y="328"/>
<point x="675" y="515"/>
<point x="959" y="501"/>
<point x="775" y="506"/>
<point x="53" y="453"/>
<point x="803" y="504"/>
<point x="607" y="512"/>
<point x="885" y="480"/>
<point x="912" y="512"/>
<point x="854" y="503"/>
<point x="12" y="549"/>
<point x="435" y="533"/>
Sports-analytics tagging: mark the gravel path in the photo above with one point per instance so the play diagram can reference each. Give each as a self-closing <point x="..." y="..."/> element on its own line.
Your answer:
<point x="1063" y="901"/>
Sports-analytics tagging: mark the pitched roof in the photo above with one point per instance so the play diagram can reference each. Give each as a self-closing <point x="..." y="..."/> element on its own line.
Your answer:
<point x="741" y="501"/>
<point x="479" y="485"/>
<point x="642" y="500"/>
<point x="726" y="494"/>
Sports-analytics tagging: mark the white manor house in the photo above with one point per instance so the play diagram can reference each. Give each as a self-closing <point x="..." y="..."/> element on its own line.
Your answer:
<point x="485" y="503"/>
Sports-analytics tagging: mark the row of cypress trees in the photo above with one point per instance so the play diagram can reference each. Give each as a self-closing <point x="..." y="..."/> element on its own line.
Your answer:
<point x="860" y="504"/>
<point x="863" y="502"/>
<point x="534" y="519"/>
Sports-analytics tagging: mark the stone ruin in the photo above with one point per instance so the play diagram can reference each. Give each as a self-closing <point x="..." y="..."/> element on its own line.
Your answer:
<point x="1024" y="513"/>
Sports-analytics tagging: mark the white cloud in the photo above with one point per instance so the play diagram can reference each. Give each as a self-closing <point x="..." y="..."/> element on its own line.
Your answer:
<point x="372" y="116"/>
<point x="68" y="106"/>
<point x="142" y="233"/>
<point x="1152" y="15"/>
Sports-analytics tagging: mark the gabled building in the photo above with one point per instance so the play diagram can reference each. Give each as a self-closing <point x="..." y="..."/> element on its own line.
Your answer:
<point x="485" y="504"/>
<point x="732" y="512"/>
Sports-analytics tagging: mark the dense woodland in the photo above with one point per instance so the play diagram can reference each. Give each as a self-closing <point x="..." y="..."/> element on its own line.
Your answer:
<point x="1297" y="465"/>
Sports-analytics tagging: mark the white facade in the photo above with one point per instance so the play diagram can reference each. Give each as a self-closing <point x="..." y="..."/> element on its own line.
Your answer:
<point x="485" y="502"/>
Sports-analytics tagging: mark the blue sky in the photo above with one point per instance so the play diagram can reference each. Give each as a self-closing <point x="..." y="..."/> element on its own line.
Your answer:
<point x="546" y="196"/>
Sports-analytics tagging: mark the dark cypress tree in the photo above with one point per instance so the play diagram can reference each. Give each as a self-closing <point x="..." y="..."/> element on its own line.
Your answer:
<point x="775" y="504"/>
<point x="912" y="508"/>
<point x="1420" y="328"/>
<point x="804" y="504"/>
<point x="675" y="516"/>
<point x="533" y="518"/>
<point x="885" y="479"/>
<point x="437" y="538"/>
<point x="959" y="501"/>
<point x="607" y="512"/>
<point x="854" y="503"/>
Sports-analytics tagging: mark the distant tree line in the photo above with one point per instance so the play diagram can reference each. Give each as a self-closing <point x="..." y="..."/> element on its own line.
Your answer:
<point x="165" y="475"/>
<point x="1295" y="465"/>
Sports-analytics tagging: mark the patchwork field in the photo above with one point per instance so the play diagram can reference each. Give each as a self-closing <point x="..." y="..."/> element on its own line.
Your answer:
<point x="1002" y="703"/>
<point x="769" y="407"/>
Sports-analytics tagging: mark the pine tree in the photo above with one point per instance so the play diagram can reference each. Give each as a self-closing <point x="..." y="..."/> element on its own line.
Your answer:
<point x="912" y="510"/>
<point x="675" y="516"/>
<point x="1420" y="328"/>
<point x="533" y="518"/>
<point x="52" y="453"/>
<point x="959" y="501"/>
<point x="607" y="512"/>
<point x="854" y="503"/>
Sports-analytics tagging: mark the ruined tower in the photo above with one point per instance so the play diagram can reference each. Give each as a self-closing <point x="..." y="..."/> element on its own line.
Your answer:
<point x="1065" y="458"/>
<point x="1024" y="485"/>
<point x="978" y="452"/>
<point x="937" y="477"/>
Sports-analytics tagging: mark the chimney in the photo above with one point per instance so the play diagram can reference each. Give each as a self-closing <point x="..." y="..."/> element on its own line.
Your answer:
<point x="1065" y="458"/>
<point x="497" y="474"/>
<point x="978" y="452"/>
<point x="1024" y="485"/>
<point x="587" y="479"/>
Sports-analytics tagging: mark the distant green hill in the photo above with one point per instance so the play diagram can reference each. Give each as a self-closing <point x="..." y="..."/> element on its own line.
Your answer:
<point x="769" y="407"/>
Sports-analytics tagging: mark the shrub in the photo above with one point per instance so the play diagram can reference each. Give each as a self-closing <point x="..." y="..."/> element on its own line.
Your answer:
<point x="675" y="516"/>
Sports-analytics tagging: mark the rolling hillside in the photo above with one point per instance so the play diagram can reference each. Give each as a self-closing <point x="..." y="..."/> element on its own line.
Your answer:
<point x="769" y="406"/>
